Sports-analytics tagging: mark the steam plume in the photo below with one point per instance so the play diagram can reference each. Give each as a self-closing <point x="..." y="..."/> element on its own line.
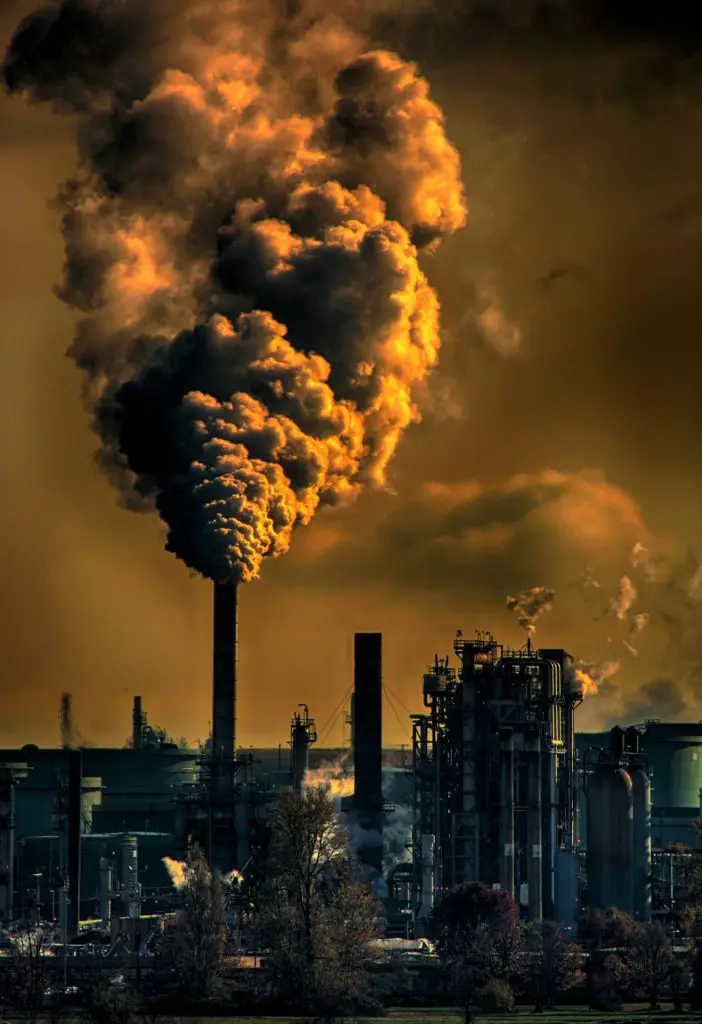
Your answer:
<point x="588" y="676"/>
<point x="178" y="871"/>
<point x="242" y="242"/>
<point x="620" y="605"/>
<point x="530" y="605"/>
<point x="337" y="777"/>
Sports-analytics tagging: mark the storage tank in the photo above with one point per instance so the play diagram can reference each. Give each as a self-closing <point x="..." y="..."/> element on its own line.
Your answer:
<point x="641" y="791"/>
<point x="610" y="839"/>
<point x="674" y="755"/>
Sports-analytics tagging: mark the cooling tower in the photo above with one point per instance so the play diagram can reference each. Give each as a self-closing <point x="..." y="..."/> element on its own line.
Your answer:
<point x="367" y="750"/>
<point x="224" y="688"/>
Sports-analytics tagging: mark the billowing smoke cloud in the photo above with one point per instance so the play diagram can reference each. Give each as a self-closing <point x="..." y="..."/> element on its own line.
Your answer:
<point x="530" y="605"/>
<point x="242" y="242"/>
<point x="502" y="536"/>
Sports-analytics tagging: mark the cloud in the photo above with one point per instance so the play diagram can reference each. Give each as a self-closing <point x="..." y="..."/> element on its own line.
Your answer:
<point x="500" y="537"/>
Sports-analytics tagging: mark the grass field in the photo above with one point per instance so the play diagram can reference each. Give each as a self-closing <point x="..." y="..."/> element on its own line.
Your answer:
<point x="638" y="1012"/>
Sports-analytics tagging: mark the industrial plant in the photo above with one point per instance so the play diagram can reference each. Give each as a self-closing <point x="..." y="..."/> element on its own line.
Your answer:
<point x="497" y="787"/>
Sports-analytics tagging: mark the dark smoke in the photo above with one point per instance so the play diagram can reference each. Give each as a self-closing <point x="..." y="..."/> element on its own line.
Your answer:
<point x="242" y="242"/>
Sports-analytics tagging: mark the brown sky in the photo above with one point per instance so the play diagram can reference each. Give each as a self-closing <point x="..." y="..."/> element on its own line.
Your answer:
<point x="582" y="157"/>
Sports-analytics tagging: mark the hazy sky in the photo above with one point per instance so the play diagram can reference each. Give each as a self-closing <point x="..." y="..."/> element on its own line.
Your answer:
<point x="563" y="427"/>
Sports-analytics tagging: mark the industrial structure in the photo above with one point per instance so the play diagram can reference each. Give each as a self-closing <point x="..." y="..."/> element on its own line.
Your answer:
<point x="494" y="777"/>
<point x="497" y="788"/>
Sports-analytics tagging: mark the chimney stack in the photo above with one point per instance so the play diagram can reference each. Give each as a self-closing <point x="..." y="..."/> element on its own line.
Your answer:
<point x="367" y="744"/>
<point x="73" y="840"/>
<point x="224" y="688"/>
<point x="137" y="724"/>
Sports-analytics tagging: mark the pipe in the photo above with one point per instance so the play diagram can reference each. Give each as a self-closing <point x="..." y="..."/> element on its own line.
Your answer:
<point x="224" y="688"/>
<point x="532" y="749"/>
<point x="105" y="890"/>
<point x="7" y="845"/>
<point x="507" y="837"/>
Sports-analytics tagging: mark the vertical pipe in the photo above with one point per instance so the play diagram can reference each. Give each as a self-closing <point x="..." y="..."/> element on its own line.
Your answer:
<point x="641" y="794"/>
<point x="224" y="688"/>
<point x="137" y="724"/>
<point x="507" y="837"/>
<point x="7" y="845"/>
<point x="532" y="746"/>
<point x="105" y="890"/>
<point x="368" y="727"/>
<point x="75" y="776"/>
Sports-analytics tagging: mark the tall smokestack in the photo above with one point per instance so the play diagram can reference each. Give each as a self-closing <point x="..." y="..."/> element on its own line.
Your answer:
<point x="368" y="739"/>
<point x="73" y="830"/>
<point x="224" y="688"/>
<point x="66" y="718"/>
<point x="137" y="724"/>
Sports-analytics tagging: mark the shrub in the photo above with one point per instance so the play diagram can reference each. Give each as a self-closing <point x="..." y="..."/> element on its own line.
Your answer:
<point x="496" y="996"/>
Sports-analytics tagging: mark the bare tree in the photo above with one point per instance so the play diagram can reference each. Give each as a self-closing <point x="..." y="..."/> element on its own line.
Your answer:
<point x="190" y="954"/>
<point x="30" y="973"/>
<point x="314" y="913"/>
<point x="549" y="962"/>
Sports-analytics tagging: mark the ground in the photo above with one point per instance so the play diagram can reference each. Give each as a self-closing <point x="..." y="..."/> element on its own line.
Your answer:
<point x="637" y="1012"/>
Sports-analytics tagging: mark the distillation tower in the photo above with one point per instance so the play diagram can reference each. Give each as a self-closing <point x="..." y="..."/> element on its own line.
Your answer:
<point x="494" y="777"/>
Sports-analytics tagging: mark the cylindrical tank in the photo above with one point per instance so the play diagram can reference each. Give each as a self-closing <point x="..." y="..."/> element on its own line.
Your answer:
<point x="90" y="797"/>
<point x="642" y="844"/>
<point x="610" y="839"/>
<point x="674" y="755"/>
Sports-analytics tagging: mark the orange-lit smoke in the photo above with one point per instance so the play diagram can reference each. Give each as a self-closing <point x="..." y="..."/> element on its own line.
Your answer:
<point x="530" y="605"/>
<point x="242" y="242"/>
<point x="336" y="777"/>
<point x="589" y="676"/>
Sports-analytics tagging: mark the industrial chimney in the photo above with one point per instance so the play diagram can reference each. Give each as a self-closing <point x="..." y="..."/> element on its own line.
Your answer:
<point x="66" y="718"/>
<point x="73" y="840"/>
<point x="302" y="735"/>
<point x="137" y="724"/>
<point x="224" y="688"/>
<point x="367" y="745"/>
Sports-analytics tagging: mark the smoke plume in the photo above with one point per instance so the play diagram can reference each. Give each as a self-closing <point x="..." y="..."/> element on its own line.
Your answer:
<point x="530" y="605"/>
<point x="242" y="244"/>
<point x="336" y="777"/>
<point x="588" y="676"/>
<point x="177" y="870"/>
<point x="620" y="605"/>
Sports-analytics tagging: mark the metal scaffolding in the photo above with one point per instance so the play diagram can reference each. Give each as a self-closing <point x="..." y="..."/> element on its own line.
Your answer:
<point x="494" y="776"/>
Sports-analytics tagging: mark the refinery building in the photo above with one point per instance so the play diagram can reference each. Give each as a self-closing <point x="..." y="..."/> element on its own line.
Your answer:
<point x="498" y="786"/>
